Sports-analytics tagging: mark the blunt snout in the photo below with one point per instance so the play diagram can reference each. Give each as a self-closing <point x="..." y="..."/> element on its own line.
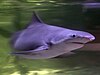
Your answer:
<point x="90" y="37"/>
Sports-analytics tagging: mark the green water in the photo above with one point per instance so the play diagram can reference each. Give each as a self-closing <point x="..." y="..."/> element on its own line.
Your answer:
<point x="15" y="15"/>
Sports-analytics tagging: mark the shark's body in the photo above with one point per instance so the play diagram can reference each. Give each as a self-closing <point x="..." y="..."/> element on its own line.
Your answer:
<point x="42" y="41"/>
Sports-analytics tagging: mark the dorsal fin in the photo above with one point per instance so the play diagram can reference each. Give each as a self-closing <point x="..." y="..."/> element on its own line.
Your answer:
<point x="35" y="18"/>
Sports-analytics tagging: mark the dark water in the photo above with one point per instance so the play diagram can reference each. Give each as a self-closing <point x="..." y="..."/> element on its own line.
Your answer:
<point x="15" y="15"/>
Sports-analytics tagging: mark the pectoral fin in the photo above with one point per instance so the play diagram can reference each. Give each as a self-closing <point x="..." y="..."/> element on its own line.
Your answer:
<point x="41" y="48"/>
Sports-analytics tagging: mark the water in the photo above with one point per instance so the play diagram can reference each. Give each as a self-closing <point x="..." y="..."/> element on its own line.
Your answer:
<point x="15" y="15"/>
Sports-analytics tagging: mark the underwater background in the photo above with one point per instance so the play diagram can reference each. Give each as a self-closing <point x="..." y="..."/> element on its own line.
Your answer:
<point x="16" y="14"/>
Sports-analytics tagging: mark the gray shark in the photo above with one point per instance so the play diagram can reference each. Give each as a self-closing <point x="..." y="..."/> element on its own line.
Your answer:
<point x="43" y="41"/>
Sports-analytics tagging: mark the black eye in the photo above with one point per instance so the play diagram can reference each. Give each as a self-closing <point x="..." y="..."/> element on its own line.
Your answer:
<point x="73" y="35"/>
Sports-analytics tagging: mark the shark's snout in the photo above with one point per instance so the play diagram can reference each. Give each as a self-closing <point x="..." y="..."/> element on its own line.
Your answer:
<point x="89" y="36"/>
<point x="85" y="35"/>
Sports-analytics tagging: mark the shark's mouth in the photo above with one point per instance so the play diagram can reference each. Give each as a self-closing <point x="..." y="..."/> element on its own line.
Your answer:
<point x="78" y="42"/>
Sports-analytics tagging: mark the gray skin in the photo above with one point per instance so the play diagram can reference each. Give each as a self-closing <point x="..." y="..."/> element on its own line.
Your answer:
<point x="43" y="41"/>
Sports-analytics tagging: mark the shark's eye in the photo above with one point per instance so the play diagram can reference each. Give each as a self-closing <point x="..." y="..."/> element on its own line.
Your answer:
<point x="73" y="36"/>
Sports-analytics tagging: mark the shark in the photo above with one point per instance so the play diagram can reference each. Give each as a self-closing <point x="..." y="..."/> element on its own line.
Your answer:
<point x="43" y="41"/>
